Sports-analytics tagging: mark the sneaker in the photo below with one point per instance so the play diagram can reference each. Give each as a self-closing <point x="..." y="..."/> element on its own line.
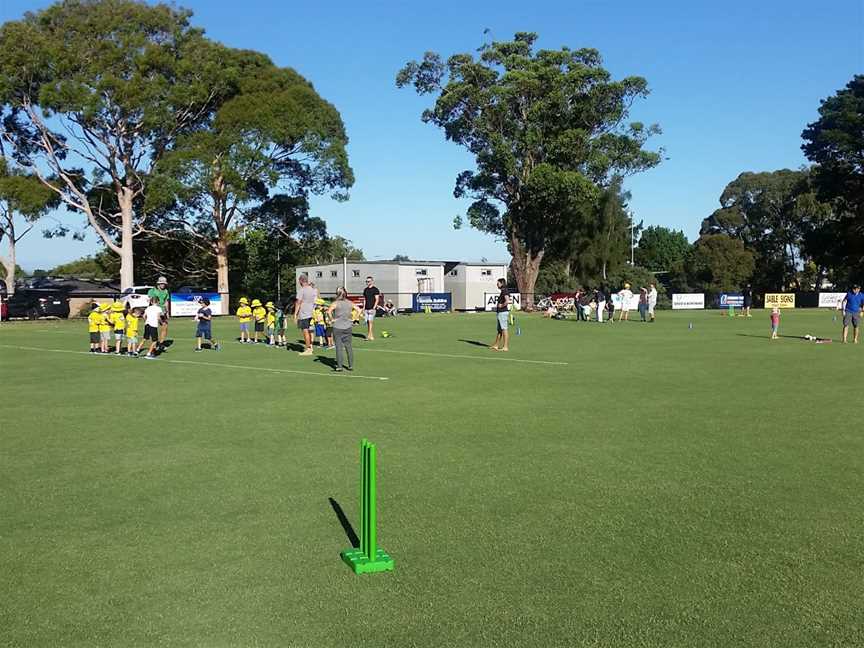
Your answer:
<point x="307" y="352"/>
<point x="338" y="369"/>
<point x="331" y="347"/>
<point x="198" y="350"/>
<point x="349" y="368"/>
<point x="149" y="357"/>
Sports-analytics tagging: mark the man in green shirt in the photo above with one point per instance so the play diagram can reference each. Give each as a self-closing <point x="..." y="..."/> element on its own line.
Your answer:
<point x="162" y="297"/>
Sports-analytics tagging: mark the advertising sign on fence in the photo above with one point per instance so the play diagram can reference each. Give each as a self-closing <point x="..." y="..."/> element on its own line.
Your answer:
<point x="830" y="300"/>
<point x="688" y="301"/>
<point x="725" y="300"/>
<point x="492" y="301"/>
<point x="187" y="304"/>
<point x="437" y="302"/>
<point x="779" y="300"/>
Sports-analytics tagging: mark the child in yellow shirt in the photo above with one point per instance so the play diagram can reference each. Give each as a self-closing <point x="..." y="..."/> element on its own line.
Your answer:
<point x="259" y="314"/>
<point x="271" y="323"/>
<point x="105" y="327"/>
<point x="244" y="314"/>
<point x="132" y="332"/>
<point x="94" y="319"/>
<point x="118" y="313"/>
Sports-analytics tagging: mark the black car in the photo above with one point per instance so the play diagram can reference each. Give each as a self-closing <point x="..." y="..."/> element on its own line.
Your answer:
<point x="34" y="303"/>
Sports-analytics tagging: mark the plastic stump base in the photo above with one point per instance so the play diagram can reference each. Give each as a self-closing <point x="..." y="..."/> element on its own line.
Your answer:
<point x="360" y="563"/>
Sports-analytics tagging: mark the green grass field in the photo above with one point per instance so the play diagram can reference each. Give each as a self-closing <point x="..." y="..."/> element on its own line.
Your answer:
<point x="617" y="485"/>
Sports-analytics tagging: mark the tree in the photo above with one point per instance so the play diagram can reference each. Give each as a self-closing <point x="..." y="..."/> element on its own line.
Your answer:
<point x="770" y="213"/>
<point x="96" y="92"/>
<point x="100" y="265"/>
<point x="834" y="144"/>
<point x="401" y="258"/>
<point x="719" y="263"/>
<point x="276" y="134"/>
<point x="547" y="131"/>
<point x="21" y="195"/>
<point x="661" y="248"/>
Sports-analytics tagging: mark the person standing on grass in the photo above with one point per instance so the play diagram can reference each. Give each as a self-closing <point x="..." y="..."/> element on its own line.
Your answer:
<point x="775" y="322"/>
<point x="599" y="303"/>
<point x="625" y="294"/>
<point x="204" y="317"/>
<point x="371" y="297"/>
<point x="747" y="295"/>
<point x="152" y="322"/>
<point x="643" y="304"/>
<point x="303" y="309"/>
<point x="340" y="312"/>
<point x="652" y="301"/>
<point x="162" y="296"/>
<point x="502" y="316"/>
<point x="853" y="304"/>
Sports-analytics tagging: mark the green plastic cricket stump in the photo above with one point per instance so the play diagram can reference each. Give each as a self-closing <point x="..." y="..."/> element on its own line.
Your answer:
<point x="368" y="558"/>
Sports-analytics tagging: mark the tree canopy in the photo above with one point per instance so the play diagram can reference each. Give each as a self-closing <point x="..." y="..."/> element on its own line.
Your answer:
<point x="548" y="130"/>
<point x="661" y="248"/>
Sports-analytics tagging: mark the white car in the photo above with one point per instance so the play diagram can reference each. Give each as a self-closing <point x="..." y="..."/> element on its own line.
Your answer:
<point x="136" y="297"/>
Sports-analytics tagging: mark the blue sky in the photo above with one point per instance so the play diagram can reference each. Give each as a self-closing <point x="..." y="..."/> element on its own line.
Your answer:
<point x="732" y="85"/>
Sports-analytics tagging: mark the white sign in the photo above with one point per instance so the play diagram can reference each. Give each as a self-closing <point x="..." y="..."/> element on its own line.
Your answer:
<point x="492" y="301"/>
<point x="632" y="302"/>
<point x="688" y="301"/>
<point x="830" y="300"/>
<point x="187" y="304"/>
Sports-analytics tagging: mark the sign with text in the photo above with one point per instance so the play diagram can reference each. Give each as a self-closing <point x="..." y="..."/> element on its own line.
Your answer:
<point x="830" y="300"/>
<point x="779" y="300"/>
<point x="492" y="301"/>
<point x="436" y="302"/>
<point x="725" y="300"/>
<point x="187" y="304"/>
<point x="688" y="301"/>
<point x="632" y="302"/>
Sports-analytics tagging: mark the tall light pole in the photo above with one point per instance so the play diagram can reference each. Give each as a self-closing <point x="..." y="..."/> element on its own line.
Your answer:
<point x="632" y="243"/>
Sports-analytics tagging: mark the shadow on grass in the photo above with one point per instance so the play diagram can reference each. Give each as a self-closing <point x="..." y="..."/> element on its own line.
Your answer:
<point x="475" y="343"/>
<point x="358" y="335"/>
<point x="294" y="346"/>
<point x="768" y="336"/>
<point x="346" y="525"/>
<point x="330" y="362"/>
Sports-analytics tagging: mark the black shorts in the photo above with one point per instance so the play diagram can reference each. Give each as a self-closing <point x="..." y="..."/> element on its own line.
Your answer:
<point x="95" y="338"/>
<point x="204" y="332"/>
<point x="303" y="324"/>
<point x="151" y="333"/>
<point x="259" y="327"/>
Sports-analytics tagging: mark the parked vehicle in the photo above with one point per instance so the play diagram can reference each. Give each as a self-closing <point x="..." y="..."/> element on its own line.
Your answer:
<point x="34" y="303"/>
<point x="135" y="297"/>
<point x="3" y="309"/>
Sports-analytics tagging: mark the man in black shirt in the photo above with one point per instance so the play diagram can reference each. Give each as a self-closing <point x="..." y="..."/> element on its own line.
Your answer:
<point x="748" y="300"/>
<point x="502" y="315"/>
<point x="372" y="297"/>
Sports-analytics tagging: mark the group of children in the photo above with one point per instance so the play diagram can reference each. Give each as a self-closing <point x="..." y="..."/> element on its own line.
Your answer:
<point x="116" y="318"/>
<point x="267" y="323"/>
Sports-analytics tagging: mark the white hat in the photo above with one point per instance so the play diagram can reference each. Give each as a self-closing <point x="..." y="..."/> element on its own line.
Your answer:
<point x="161" y="280"/>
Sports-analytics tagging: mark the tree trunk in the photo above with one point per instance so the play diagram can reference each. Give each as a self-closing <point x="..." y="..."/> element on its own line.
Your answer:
<point x="9" y="267"/>
<point x="604" y="270"/>
<point x="127" y="257"/>
<point x="221" y="252"/>
<point x="526" y="267"/>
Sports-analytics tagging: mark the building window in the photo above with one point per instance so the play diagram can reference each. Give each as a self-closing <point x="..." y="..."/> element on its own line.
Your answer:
<point x="421" y="272"/>
<point x="453" y="273"/>
<point x="356" y="273"/>
<point x="334" y="273"/>
<point x="319" y="274"/>
<point x="486" y="272"/>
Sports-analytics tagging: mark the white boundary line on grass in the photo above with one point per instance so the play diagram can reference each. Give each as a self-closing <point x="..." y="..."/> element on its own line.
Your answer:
<point x="467" y="357"/>
<point x="205" y="364"/>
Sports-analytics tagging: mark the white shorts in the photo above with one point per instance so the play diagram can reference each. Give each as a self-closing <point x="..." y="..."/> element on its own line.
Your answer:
<point x="651" y="308"/>
<point x="370" y="315"/>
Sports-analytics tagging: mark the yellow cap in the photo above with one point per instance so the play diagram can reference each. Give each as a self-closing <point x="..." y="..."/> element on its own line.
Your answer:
<point x="243" y="300"/>
<point x="104" y="307"/>
<point x="256" y="302"/>
<point x="117" y="306"/>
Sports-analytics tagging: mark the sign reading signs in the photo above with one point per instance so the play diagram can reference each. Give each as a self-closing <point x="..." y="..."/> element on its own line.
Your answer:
<point x="830" y="300"/>
<point x="736" y="300"/>
<point x="492" y="301"/>
<point x="436" y="302"/>
<point x="779" y="300"/>
<point x="688" y="301"/>
<point x="187" y="304"/>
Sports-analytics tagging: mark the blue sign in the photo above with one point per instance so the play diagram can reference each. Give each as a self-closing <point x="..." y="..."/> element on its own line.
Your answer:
<point x="436" y="302"/>
<point x="736" y="300"/>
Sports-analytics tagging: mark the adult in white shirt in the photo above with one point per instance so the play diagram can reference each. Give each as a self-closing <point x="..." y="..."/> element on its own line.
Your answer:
<point x="652" y="301"/>
<point x="152" y="321"/>
<point x="626" y="296"/>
